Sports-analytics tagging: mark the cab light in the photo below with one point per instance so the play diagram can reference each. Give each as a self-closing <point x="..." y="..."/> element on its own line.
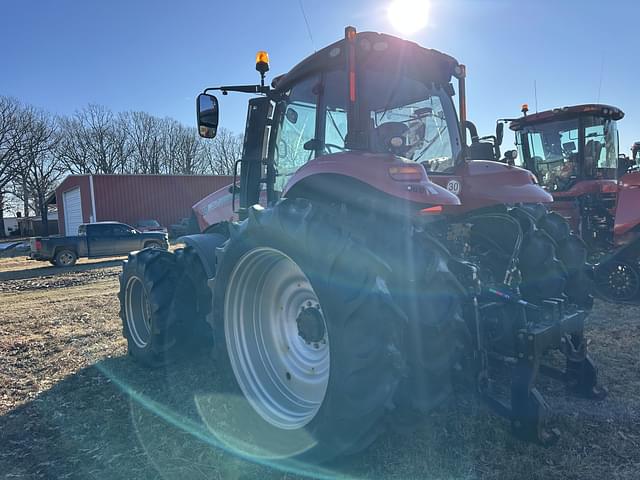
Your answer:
<point x="262" y="61"/>
<point x="407" y="173"/>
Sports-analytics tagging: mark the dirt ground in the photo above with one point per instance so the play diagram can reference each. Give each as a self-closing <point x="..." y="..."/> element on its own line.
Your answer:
<point x="17" y="265"/>
<point x="73" y="405"/>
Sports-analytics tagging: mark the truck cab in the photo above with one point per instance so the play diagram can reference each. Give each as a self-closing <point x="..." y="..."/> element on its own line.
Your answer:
<point x="95" y="240"/>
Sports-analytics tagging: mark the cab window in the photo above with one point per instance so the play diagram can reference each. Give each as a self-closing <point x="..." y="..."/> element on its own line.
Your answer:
<point x="297" y="128"/>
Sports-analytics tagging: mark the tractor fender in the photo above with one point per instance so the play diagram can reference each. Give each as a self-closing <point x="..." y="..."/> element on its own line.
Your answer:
<point x="204" y="245"/>
<point x="627" y="219"/>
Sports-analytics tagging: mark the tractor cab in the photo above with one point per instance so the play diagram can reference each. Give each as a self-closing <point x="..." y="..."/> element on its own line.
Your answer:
<point x="370" y="113"/>
<point x="371" y="109"/>
<point x="569" y="145"/>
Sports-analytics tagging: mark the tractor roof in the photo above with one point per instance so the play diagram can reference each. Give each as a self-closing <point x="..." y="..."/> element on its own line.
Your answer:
<point x="568" y="112"/>
<point x="433" y="65"/>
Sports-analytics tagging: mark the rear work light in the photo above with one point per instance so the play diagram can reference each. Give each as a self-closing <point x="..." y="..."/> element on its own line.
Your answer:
<point x="407" y="173"/>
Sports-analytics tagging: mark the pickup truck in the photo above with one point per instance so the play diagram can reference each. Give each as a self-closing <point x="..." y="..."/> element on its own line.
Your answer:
<point x="94" y="240"/>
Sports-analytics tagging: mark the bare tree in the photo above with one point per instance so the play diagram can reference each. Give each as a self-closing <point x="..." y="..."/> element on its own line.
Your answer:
<point x="11" y="138"/>
<point x="40" y="167"/>
<point x="189" y="158"/>
<point x="94" y="141"/>
<point x="221" y="154"/>
<point x="145" y="137"/>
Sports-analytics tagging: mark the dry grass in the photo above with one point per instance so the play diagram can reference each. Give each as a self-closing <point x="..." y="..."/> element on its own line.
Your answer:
<point x="72" y="405"/>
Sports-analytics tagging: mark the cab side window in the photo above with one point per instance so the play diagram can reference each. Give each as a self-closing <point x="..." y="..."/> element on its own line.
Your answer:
<point x="297" y="127"/>
<point x="121" y="230"/>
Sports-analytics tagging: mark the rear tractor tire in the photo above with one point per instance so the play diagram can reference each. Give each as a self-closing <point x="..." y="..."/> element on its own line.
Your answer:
<point x="572" y="252"/>
<point x="311" y="335"/>
<point x="553" y="261"/>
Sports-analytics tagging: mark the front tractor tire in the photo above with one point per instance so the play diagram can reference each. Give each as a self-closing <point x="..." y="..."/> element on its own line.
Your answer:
<point x="147" y="287"/>
<point x="309" y="332"/>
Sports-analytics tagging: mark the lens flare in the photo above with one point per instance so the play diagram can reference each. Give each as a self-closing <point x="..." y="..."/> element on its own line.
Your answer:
<point x="409" y="16"/>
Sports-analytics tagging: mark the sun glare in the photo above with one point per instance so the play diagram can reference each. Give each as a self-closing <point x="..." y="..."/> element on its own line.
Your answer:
<point x="409" y="16"/>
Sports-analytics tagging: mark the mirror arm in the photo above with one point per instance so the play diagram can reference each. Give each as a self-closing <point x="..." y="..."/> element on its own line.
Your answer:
<point x="225" y="89"/>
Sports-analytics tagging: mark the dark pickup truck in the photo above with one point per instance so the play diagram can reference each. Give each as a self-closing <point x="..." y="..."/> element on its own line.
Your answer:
<point x="94" y="240"/>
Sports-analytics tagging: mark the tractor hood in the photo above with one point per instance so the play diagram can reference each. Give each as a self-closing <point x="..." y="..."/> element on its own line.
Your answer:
<point x="387" y="173"/>
<point x="483" y="183"/>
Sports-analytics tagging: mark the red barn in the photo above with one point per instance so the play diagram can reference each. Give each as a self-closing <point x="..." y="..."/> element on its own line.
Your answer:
<point x="130" y="198"/>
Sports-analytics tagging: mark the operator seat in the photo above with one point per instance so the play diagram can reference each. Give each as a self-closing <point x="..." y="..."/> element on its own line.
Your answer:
<point x="391" y="137"/>
<point x="592" y="151"/>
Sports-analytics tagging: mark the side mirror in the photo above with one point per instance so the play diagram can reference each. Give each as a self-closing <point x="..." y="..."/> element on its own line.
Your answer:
<point x="207" y="111"/>
<point x="499" y="133"/>
<point x="473" y="131"/>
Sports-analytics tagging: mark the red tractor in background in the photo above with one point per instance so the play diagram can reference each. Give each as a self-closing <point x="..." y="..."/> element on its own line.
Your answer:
<point x="573" y="151"/>
<point x="368" y="263"/>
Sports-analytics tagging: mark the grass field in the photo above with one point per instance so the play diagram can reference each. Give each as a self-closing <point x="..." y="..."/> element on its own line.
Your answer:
<point x="73" y="405"/>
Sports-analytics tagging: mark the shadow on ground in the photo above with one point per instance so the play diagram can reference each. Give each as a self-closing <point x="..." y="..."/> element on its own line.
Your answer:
<point x="117" y="420"/>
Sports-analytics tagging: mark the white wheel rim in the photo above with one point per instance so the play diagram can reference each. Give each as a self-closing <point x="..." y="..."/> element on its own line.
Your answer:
<point x="283" y="375"/>
<point x="138" y="312"/>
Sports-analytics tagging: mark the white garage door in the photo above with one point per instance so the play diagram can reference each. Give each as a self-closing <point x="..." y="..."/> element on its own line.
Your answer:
<point x="72" y="211"/>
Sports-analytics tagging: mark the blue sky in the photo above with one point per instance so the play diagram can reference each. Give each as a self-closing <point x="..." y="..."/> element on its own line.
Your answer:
<point x="157" y="55"/>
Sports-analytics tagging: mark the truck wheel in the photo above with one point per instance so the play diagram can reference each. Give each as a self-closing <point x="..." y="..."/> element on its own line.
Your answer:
<point x="65" y="258"/>
<point x="311" y="335"/>
<point x="152" y="245"/>
<point x="147" y="285"/>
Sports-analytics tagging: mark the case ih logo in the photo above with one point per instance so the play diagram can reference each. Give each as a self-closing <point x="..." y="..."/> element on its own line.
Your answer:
<point x="454" y="186"/>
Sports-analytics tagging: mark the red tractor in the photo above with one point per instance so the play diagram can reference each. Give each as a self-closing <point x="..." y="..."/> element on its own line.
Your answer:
<point x="573" y="151"/>
<point x="369" y="264"/>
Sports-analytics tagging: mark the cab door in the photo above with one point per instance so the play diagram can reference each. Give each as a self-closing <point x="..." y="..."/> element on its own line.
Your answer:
<point x="125" y="239"/>
<point x="296" y="140"/>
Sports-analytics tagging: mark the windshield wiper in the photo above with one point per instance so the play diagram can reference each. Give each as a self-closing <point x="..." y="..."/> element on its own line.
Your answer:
<point x="431" y="142"/>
